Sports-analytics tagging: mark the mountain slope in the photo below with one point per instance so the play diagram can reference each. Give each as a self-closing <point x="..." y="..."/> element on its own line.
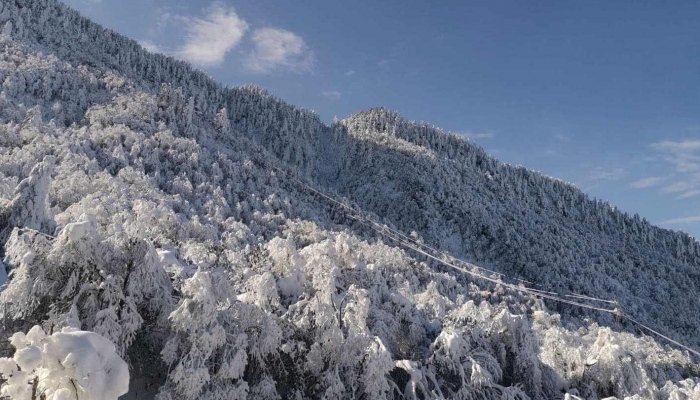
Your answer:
<point x="525" y="224"/>
<point x="142" y="201"/>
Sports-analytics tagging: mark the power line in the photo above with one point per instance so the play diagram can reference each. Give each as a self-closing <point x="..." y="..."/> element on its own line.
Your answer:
<point x="382" y="230"/>
<point x="419" y="247"/>
<point x="38" y="233"/>
<point x="511" y="286"/>
<point x="661" y="335"/>
<point x="399" y="237"/>
<point x="579" y="296"/>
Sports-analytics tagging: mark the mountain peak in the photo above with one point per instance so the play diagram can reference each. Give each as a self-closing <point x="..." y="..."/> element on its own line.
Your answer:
<point x="231" y="245"/>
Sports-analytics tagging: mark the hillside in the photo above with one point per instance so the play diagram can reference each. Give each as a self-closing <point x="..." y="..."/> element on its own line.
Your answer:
<point x="144" y="202"/>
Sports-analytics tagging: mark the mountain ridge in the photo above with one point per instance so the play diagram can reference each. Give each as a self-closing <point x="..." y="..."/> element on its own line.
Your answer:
<point x="294" y="135"/>
<point x="173" y="173"/>
<point x="51" y="9"/>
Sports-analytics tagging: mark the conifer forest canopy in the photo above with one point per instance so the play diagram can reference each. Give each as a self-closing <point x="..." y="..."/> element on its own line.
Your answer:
<point x="158" y="230"/>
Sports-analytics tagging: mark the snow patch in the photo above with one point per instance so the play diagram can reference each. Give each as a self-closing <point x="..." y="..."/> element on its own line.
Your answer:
<point x="68" y="364"/>
<point x="168" y="260"/>
<point x="77" y="230"/>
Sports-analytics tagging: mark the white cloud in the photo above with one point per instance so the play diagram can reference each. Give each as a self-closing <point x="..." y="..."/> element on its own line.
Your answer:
<point x="646" y="182"/>
<point x="600" y="174"/>
<point x="686" y="145"/>
<point x="275" y="49"/>
<point x="331" y="94"/>
<point x="677" y="187"/>
<point x="686" y="220"/>
<point x="688" y="194"/>
<point x="163" y="19"/>
<point x="385" y="65"/>
<point x="684" y="155"/>
<point x="150" y="46"/>
<point x="414" y="72"/>
<point x="350" y="72"/>
<point x="592" y="177"/>
<point x="211" y="37"/>
<point x="476" y="135"/>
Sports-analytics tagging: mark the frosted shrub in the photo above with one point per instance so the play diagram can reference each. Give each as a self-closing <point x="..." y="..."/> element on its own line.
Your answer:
<point x="142" y="201"/>
<point x="66" y="365"/>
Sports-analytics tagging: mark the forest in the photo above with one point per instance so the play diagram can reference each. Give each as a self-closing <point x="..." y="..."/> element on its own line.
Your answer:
<point x="158" y="230"/>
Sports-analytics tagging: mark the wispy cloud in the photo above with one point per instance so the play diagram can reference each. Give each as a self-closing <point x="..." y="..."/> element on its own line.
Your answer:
<point x="164" y="17"/>
<point x="686" y="145"/>
<point x="689" y="194"/>
<point x="685" y="220"/>
<point x="476" y="135"/>
<point x="677" y="187"/>
<point x="331" y="94"/>
<point x="150" y="46"/>
<point x="646" y="182"/>
<point x="350" y="72"/>
<point x="592" y="177"/>
<point x="278" y="49"/>
<point x="385" y="63"/>
<point x="684" y="155"/>
<point x="211" y="37"/>
<point x="601" y="174"/>
<point x="413" y="72"/>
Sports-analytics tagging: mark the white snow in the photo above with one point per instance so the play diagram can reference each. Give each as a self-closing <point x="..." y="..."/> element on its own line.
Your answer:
<point x="77" y="230"/>
<point x="28" y="257"/>
<point x="7" y="29"/>
<point x="28" y="358"/>
<point x="178" y="229"/>
<point x="62" y="363"/>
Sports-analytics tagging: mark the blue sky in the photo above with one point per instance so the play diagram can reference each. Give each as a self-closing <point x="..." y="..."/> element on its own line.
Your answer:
<point x="602" y="94"/>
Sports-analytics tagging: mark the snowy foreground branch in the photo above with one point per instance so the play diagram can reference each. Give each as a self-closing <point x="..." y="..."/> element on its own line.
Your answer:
<point x="67" y="365"/>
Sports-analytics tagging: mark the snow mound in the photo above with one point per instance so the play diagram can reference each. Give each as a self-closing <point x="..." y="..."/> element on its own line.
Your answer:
<point x="66" y="365"/>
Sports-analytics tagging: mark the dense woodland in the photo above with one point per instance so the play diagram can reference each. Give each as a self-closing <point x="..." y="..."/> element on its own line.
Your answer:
<point x="145" y="203"/>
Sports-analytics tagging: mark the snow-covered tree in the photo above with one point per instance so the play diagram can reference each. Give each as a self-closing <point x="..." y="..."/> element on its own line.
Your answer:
<point x="65" y="365"/>
<point x="144" y="202"/>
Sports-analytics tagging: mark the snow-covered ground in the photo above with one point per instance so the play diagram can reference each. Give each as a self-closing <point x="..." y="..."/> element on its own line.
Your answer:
<point x="142" y="202"/>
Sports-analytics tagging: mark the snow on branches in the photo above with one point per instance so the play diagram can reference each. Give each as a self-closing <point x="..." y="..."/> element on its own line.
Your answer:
<point x="143" y="202"/>
<point x="69" y="364"/>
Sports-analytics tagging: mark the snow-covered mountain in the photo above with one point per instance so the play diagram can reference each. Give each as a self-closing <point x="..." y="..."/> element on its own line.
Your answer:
<point x="141" y="200"/>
